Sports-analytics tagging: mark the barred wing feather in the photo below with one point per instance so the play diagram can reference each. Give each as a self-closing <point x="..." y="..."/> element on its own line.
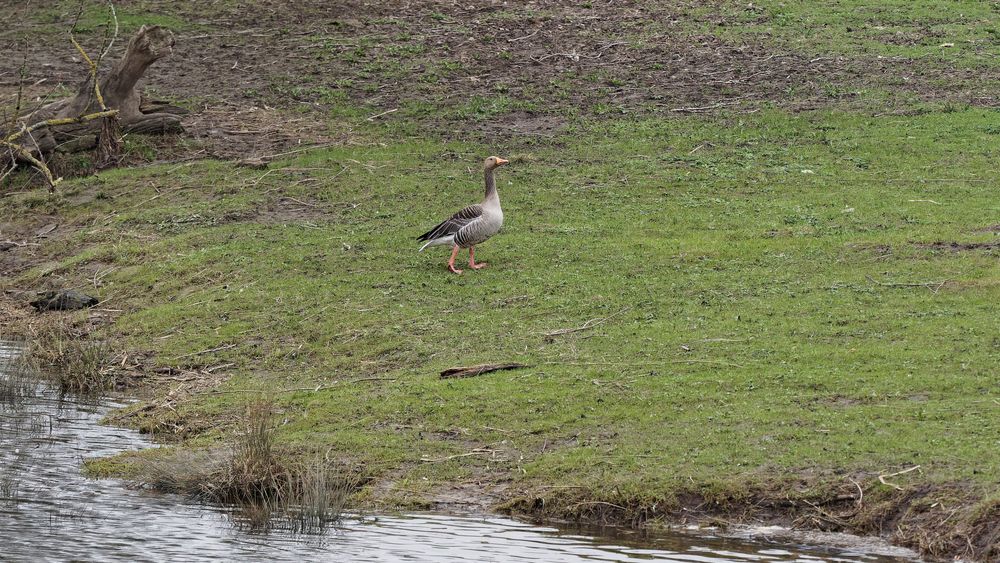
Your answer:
<point x="451" y="225"/>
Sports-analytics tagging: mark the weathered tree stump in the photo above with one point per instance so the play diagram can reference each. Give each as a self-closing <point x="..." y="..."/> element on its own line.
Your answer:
<point x="118" y="88"/>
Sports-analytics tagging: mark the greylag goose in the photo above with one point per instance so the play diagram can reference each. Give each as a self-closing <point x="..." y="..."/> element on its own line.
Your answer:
<point x="472" y="225"/>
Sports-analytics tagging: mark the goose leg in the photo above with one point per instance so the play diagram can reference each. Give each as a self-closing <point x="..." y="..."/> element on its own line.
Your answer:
<point x="472" y="260"/>
<point x="451" y="261"/>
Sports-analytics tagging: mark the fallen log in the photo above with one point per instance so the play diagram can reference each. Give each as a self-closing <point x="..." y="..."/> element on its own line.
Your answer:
<point x="472" y="371"/>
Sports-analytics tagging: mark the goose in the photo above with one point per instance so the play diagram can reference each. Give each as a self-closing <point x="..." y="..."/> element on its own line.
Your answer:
<point x="472" y="225"/>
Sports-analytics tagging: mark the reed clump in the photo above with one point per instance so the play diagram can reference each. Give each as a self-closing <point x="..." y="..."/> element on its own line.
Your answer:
<point x="264" y="489"/>
<point x="17" y="380"/>
<point x="74" y="361"/>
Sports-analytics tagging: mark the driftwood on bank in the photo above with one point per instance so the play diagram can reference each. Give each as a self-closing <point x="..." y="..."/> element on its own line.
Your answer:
<point x="472" y="371"/>
<point x="68" y="131"/>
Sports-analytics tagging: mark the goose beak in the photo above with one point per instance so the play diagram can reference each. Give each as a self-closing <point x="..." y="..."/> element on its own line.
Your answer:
<point x="501" y="162"/>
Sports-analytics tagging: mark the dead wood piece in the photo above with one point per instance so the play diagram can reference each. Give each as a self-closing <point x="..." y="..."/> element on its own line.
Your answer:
<point x="155" y="123"/>
<point x="477" y="451"/>
<point x="882" y="478"/>
<point x="148" y="106"/>
<point x="99" y="111"/>
<point x="472" y="371"/>
<point x="934" y="286"/>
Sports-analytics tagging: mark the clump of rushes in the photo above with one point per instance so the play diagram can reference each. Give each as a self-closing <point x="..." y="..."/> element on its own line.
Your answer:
<point x="17" y="382"/>
<point x="77" y="363"/>
<point x="265" y="490"/>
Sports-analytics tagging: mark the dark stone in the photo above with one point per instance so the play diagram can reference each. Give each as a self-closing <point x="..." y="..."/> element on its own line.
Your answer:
<point x="65" y="300"/>
<point x="7" y="245"/>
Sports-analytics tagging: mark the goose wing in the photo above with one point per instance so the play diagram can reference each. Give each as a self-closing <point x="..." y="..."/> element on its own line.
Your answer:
<point x="453" y="224"/>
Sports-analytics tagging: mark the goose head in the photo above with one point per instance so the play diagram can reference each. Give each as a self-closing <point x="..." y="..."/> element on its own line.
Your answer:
<point x="494" y="161"/>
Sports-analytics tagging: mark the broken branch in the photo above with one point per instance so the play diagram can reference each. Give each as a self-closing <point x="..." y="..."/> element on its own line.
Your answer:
<point x="882" y="478"/>
<point x="472" y="371"/>
<point x="477" y="451"/>
<point x="933" y="286"/>
<point x="585" y="326"/>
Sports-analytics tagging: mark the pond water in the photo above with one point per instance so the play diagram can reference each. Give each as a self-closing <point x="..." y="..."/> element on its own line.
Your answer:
<point x="50" y="512"/>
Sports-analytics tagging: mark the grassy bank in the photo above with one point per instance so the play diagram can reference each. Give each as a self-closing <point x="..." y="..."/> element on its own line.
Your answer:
<point x="786" y="297"/>
<point x="782" y="315"/>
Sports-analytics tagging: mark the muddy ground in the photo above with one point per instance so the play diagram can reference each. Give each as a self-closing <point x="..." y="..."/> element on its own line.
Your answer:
<point x="256" y="77"/>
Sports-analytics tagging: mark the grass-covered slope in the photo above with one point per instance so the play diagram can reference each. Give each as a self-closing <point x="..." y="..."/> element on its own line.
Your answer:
<point x="775" y="306"/>
<point x="782" y="293"/>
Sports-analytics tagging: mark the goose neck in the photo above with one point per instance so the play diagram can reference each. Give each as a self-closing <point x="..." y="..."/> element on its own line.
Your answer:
<point x="491" y="185"/>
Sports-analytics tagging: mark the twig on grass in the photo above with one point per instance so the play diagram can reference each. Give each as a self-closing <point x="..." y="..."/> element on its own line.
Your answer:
<point x="933" y="286"/>
<point x="200" y="352"/>
<point x="645" y="364"/>
<point x="576" y="56"/>
<point x="299" y="201"/>
<point x="377" y="115"/>
<point x="299" y="389"/>
<point x="861" y="492"/>
<point x="477" y="451"/>
<point x="824" y="515"/>
<point x="882" y="478"/>
<point x="528" y="36"/>
<point x="585" y="326"/>
<point x="697" y="109"/>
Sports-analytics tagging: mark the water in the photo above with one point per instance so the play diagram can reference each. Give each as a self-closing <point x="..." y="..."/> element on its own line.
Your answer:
<point x="50" y="512"/>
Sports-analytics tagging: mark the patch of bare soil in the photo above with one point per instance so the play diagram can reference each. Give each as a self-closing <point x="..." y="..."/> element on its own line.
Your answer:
<point x="626" y="55"/>
<point x="257" y="71"/>
<point x="21" y="240"/>
<point x="232" y="131"/>
<point x="15" y="315"/>
<point x="955" y="246"/>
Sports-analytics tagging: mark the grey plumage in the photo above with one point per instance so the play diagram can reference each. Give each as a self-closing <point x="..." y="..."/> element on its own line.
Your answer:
<point x="449" y="230"/>
<point x="473" y="224"/>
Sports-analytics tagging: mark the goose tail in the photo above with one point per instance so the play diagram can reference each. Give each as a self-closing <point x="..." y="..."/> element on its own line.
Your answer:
<point x="438" y="242"/>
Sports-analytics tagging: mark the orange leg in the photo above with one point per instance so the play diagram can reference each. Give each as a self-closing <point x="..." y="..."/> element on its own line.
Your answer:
<point x="451" y="261"/>
<point x="472" y="260"/>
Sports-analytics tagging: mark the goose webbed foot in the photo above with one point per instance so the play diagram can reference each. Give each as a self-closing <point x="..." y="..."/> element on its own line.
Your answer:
<point x="472" y="260"/>
<point x="451" y="261"/>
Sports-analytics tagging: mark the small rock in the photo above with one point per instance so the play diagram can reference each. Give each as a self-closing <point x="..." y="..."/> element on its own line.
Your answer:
<point x="7" y="245"/>
<point x="64" y="300"/>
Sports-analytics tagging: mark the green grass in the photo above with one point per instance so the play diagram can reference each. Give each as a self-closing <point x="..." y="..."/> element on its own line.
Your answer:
<point x="95" y="17"/>
<point x="951" y="31"/>
<point x="774" y="311"/>
<point x="743" y="264"/>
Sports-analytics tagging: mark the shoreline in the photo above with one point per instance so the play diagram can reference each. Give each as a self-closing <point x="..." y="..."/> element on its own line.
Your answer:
<point x="822" y="517"/>
<point x="480" y="507"/>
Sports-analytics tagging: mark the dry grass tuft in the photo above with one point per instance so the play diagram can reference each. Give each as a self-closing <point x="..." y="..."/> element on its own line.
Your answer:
<point x="17" y="382"/>
<point x="265" y="491"/>
<point x="76" y="363"/>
